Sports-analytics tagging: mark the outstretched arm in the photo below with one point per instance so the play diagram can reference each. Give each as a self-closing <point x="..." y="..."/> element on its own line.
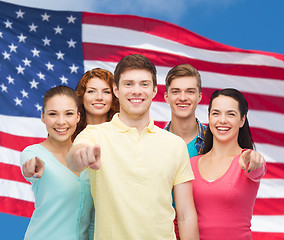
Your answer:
<point x="81" y="156"/>
<point x="186" y="213"/>
<point x="253" y="163"/>
<point x="33" y="168"/>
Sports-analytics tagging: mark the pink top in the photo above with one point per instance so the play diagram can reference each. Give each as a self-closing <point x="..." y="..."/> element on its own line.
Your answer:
<point x="224" y="206"/>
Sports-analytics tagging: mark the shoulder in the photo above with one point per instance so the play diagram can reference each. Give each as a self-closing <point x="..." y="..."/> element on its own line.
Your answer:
<point x="195" y="159"/>
<point x="164" y="134"/>
<point x="32" y="148"/>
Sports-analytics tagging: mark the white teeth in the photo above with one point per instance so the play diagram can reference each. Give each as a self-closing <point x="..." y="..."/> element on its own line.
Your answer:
<point x="61" y="129"/>
<point x="98" y="104"/>
<point x="182" y="105"/>
<point x="136" y="100"/>
<point x="223" y="128"/>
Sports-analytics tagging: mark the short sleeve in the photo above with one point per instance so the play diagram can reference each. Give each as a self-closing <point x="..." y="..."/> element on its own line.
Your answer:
<point x="184" y="172"/>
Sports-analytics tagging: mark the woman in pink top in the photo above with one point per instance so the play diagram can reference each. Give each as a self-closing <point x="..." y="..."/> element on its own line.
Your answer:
<point x="227" y="176"/>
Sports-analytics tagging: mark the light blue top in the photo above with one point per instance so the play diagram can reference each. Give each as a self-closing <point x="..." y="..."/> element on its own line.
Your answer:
<point x="64" y="206"/>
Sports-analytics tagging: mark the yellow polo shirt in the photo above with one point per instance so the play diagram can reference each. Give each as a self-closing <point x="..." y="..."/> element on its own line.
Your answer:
<point x="132" y="189"/>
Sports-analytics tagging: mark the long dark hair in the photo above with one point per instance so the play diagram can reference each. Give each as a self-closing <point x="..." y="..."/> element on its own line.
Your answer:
<point x="244" y="137"/>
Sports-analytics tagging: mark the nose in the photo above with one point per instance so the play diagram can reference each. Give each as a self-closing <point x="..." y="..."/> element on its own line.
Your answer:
<point x="99" y="95"/>
<point x="136" y="89"/>
<point x="223" y="118"/>
<point x="182" y="96"/>
<point x="61" y="120"/>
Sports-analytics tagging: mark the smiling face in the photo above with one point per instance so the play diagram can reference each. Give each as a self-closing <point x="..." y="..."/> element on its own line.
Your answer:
<point x="225" y="119"/>
<point x="183" y="96"/>
<point x="60" y="117"/>
<point x="97" y="99"/>
<point x="135" y="93"/>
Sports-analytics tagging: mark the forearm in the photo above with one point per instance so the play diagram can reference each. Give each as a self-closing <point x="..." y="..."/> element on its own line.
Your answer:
<point x="73" y="158"/>
<point x="188" y="227"/>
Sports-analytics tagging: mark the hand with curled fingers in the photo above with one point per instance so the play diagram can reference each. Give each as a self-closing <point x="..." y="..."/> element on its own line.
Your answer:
<point x="33" y="168"/>
<point x="251" y="160"/>
<point x="89" y="156"/>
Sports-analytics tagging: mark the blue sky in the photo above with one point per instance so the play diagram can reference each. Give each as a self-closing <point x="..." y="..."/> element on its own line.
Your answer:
<point x="246" y="24"/>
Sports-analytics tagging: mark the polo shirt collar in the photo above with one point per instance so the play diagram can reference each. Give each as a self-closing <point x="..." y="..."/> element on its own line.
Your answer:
<point x="124" y="128"/>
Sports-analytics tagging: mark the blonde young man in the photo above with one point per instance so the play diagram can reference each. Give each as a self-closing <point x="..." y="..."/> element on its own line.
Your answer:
<point x="138" y="164"/>
<point x="183" y="93"/>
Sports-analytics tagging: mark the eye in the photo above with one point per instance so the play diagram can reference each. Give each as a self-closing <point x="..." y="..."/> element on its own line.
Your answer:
<point x="107" y="92"/>
<point x="70" y="114"/>
<point x="51" y="114"/>
<point x="175" y="92"/>
<point x="90" y="91"/>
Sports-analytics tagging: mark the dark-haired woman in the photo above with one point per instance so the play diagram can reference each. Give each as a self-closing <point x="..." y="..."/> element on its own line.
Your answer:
<point x="228" y="174"/>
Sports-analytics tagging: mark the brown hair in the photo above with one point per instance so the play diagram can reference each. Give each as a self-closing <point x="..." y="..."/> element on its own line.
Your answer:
<point x="135" y="61"/>
<point x="59" y="90"/>
<point x="104" y="75"/>
<point x="183" y="70"/>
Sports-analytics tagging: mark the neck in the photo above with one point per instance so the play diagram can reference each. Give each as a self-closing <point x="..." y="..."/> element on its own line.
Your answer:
<point x="231" y="148"/>
<point x="93" y="120"/>
<point x="57" y="147"/>
<point x="135" y="121"/>
<point x="186" y="128"/>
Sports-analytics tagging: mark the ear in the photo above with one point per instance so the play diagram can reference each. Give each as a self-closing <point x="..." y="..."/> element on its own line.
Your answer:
<point x="115" y="90"/>
<point x="166" y="97"/>
<point x="242" y="121"/>
<point x="200" y="97"/>
<point x="42" y="117"/>
<point x="155" y="91"/>
<point x="78" y="117"/>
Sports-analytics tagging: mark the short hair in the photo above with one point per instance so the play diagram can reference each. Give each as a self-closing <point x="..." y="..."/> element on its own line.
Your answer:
<point x="59" y="90"/>
<point x="183" y="70"/>
<point x="135" y="61"/>
<point x="244" y="138"/>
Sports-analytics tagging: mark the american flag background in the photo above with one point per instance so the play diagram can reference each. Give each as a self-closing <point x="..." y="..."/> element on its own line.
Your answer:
<point x="41" y="48"/>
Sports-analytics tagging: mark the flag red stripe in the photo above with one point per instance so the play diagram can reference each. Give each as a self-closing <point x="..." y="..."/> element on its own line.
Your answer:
<point x="276" y="206"/>
<point x="111" y="53"/>
<point x="267" y="236"/>
<point x="165" y="30"/>
<point x="275" y="170"/>
<point x="274" y="104"/>
<point x="16" y="207"/>
<point x="11" y="172"/>
<point x="8" y="140"/>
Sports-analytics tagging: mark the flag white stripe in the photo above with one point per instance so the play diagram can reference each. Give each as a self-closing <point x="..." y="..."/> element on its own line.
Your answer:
<point x="271" y="153"/>
<point x="130" y="38"/>
<point x="23" y="126"/>
<point x="267" y="224"/>
<point x="9" y="156"/>
<point x="17" y="190"/>
<point x="271" y="188"/>
<point x="213" y="80"/>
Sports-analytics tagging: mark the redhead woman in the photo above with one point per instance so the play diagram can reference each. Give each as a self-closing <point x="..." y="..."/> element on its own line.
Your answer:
<point x="63" y="203"/>
<point x="228" y="174"/>
<point x="97" y="103"/>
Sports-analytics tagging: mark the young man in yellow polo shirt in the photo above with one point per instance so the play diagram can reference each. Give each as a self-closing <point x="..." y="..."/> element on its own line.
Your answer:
<point x="137" y="165"/>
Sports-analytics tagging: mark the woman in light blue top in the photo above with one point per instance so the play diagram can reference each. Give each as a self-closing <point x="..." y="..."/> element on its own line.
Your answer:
<point x="63" y="203"/>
